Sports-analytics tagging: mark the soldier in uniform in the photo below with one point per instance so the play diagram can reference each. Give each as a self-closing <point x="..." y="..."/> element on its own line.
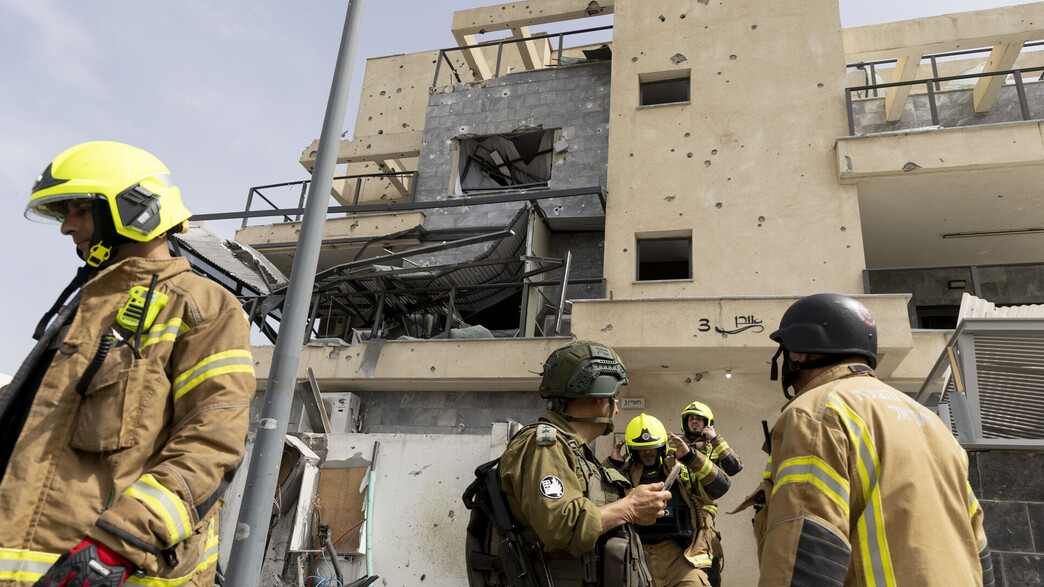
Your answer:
<point x="677" y="558"/>
<point x="581" y="512"/>
<point x="712" y="462"/>
<point x="864" y="486"/>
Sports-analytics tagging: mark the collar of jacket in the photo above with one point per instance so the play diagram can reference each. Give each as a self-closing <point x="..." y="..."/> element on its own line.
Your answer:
<point x="841" y="370"/>
<point x="556" y="419"/>
<point x="136" y="271"/>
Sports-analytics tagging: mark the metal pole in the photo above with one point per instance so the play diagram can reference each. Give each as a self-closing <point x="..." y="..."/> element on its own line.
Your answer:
<point x="562" y="295"/>
<point x="247" y="556"/>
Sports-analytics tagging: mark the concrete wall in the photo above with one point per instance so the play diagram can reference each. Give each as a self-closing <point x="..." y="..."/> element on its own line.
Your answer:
<point x="954" y="107"/>
<point x="574" y="99"/>
<point x="746" y="165"/>
<point x="445" y="412"/>
<point x="1010" y="488"/>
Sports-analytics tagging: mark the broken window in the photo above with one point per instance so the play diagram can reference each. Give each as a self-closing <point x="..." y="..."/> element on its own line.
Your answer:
<point x="664" y="258"/>
<point x="663" y="91"/>
<point x="507" y="161"/>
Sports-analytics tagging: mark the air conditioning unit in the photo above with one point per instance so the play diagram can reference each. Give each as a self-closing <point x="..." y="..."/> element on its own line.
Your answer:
<point x="549" y="325"/>
<point x="342" y="409"/>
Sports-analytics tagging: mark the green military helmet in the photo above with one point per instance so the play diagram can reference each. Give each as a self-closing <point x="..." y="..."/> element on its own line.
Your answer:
<point x="582" y="369"/>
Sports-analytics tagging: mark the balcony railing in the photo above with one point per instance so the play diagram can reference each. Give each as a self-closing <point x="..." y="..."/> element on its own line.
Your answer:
<point x="404" y="181"/>
<point x="444" y="53"/>
<point x="932" y="84"/>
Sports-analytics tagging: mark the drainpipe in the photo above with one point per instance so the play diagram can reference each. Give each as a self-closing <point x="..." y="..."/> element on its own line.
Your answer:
<point x="248" y="550"/>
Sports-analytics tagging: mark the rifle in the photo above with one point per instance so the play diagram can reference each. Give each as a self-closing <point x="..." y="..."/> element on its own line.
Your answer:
<point x="514" y="565"/>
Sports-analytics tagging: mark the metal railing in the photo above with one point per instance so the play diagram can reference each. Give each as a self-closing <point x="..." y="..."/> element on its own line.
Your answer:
<point x="499" y="44"/>
<point x="871" y="66"/>
<point x="931" y="83"/>
<point x="395" y="178"/>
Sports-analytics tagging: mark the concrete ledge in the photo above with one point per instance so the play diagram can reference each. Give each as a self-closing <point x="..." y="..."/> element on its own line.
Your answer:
<point x="700" y="334"/>
<point x="948" y="150"/>
<point x="503" y="364"/>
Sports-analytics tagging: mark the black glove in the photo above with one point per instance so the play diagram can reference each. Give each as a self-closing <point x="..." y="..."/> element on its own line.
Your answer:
<point x="88" y="563"/>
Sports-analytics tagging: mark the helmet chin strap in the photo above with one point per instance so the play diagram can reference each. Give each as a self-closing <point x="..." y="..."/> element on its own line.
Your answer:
<point x="792" y="367"/>
<point x="105" y="242"/>
<point x="558" y="405"/>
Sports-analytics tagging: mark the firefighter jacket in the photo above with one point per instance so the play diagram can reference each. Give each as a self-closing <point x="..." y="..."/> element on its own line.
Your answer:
<point x="706" y="540"/>
<point x="714" y="461"/>
<point x="867" y="487"/>
<point x="554" y="487"/>
<point x="137" y="460"/>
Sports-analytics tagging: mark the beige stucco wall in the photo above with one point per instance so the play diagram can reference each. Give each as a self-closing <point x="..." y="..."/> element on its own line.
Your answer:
<point x="746" y="165"/>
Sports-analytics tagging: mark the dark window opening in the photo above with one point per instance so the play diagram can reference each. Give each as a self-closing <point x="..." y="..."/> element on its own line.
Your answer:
<point x="664" y="258"/>
<point x="663" y="92"/>
<point x="496" y="162"/>
<point x="937" y="317"/>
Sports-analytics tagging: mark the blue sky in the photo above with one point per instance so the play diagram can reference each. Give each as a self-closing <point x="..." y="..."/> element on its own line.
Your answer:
<point x="227" y="94"/>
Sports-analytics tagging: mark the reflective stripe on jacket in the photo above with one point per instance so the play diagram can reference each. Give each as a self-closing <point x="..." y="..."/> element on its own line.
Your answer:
<point x="867" y="487"/>
<point x="137" y="461"/>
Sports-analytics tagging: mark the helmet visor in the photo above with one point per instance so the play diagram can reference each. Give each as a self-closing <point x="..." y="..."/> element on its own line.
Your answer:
<point x="53" y="208"/>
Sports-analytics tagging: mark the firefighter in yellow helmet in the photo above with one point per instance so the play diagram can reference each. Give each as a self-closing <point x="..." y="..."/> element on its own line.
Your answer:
<point x="119" y="431"/>
<point x="558" y="491"/>
<point x="864" y="486"/>
<point x="712" y="463"/>
<point x="673" y="544"/>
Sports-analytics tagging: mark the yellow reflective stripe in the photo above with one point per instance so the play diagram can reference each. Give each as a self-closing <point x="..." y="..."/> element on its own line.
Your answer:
<point x="767" y="473"/>
<point x="700" y="559"/>
<point x="165" y="504"/>
<point x="210" y="555"/>
<point x="25" y="566"/>
<point x="237" y="361"/>
<point x="705" y="469"/>
<point x="711" y="509"/>
<point x="165" y="332"/>
<point x="877" y="560"/>
<point x="724" y="446"/>
<point x="973" y="503"/>
<point x="811" y="469"/>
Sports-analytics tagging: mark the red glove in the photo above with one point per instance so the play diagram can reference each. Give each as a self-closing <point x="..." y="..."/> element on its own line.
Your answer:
<point x="89" y="563"/>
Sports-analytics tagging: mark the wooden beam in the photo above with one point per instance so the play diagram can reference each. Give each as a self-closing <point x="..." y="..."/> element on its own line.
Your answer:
<point x="895" y="99"/>
<point x="1001" y="58"/>
<point x="474" y="57"/>
<point x="504" y="17"/>
<point x="395" y="166"/>
<point x="950" y="32"/>
<point x="376" y="148"/>
<point x="528" y="51"/>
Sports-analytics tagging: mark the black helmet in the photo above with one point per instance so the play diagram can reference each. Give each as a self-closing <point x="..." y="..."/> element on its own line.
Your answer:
<point x="582" y="369"/>
<point x="827" y="324"/>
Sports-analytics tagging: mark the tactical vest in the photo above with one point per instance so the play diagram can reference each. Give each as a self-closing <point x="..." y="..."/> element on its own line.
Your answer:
<point x="617" y="559"/>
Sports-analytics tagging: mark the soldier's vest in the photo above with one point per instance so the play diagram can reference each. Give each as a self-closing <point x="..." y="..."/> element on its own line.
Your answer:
<point x="617" y="559"/>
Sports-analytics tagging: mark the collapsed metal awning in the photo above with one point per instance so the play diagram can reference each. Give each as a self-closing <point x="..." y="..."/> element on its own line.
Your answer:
<point x="238" y="267"/>
<point x="379" y="291"/>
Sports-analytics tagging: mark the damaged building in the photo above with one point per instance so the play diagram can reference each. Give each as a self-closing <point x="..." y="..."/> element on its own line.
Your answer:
<point x="668" y="190"/>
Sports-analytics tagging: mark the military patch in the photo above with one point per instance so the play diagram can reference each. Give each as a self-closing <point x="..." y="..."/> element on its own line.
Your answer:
<point x="546" y="435"/>
<point x="551" y="487"/>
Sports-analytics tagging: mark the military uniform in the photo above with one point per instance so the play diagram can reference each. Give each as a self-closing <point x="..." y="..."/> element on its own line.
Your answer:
<point x="136" y="461"/>
<point x="554" y="487"/>
<point x="867" y="487"/>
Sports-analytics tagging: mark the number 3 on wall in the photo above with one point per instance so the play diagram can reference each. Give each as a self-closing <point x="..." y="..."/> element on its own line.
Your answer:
<point x="704" y="325"/>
